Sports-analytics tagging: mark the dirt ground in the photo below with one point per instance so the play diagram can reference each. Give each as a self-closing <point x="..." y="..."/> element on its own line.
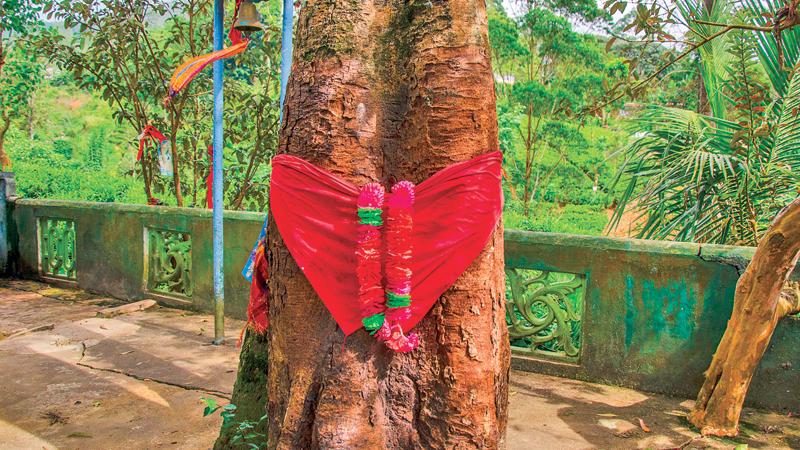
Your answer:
<point x="136" y="381"/>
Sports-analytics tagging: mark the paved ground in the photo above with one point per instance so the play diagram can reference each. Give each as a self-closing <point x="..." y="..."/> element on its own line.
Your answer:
<point x="136" y="381"/>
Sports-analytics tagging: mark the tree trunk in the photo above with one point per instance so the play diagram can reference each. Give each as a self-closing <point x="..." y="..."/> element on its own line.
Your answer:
<point x="759" y="304"/>
<point x="31" y="112"/>
<point x="384" y="91"/>
<point x="5" y="161"/>
<point x="176" y="169"/>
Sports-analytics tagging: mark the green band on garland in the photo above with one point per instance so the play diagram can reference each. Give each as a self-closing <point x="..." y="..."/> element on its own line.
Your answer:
<point x="373" y="322"/>
<point x="370" y="216"/>
<point x="397" y="300"/>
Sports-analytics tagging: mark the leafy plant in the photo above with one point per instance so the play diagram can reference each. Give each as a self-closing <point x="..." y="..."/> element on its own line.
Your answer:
<point x="20" y="72"/>
<point x="245" y="434"/>
<point x="703" y="178"/>
<point x="125" y="52"/>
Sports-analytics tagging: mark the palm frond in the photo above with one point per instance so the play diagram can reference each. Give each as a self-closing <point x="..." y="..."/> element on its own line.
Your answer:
<point x="787" y="134"/>
<point x="714" y="55"/>
<point x="762" y="12"/>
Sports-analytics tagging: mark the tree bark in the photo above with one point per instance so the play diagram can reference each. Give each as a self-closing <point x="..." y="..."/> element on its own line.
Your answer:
<point x="5" y="123"/>
<point x="384" y="91"/>
<point x="31" y="113"/>
<point x="759" y="304"/>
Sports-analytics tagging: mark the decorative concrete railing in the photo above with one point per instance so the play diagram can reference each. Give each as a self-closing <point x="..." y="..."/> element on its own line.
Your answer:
<point x="643" y="314"/>
<point x="132" y="251"/>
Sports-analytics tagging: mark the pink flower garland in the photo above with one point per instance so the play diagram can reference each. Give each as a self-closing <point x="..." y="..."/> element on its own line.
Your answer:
<point x="382" y="317"/>
<point x="368" y="256"/>
<point x="399" y="228"/>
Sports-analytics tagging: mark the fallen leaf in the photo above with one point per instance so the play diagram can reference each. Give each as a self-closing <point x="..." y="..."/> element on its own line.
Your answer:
<point x="643" y="426"/>
<point x="79" y="434"/>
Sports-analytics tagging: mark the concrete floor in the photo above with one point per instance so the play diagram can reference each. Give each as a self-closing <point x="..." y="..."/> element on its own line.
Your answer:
<point x="136" y="381"/>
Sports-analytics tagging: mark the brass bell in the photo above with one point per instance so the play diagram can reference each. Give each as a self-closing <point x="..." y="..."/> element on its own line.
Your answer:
<point x="249" y="20"/>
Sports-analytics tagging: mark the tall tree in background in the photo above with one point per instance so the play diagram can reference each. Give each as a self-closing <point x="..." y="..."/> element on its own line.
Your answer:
<point x="16" y="16"/>
<point x="19" y="70"/>
<point x="423" y="104"/>
<point x="552" y="71"/>
<point x="21" y="73"/>
<point x="112" y="51"/>
<point x="126" y="51"/>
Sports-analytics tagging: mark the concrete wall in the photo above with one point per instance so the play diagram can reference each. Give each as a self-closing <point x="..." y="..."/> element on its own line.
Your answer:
<point x="653" y="312"/>
<point x="110" y="254"/>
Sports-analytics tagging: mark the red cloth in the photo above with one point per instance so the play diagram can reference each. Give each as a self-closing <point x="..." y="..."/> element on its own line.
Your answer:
<point x="149" y="132"/>
<point x="258" y="308"/>
<point x="235" y="35"/>
<point x="455" y="213"/>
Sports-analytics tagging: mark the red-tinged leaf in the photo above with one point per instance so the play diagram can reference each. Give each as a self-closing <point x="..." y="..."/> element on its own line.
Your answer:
<point x="643" y="426"/>
<point x="610" y="43"/>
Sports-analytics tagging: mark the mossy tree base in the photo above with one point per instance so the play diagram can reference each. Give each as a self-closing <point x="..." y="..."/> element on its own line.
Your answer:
<point x="249" y="392"/>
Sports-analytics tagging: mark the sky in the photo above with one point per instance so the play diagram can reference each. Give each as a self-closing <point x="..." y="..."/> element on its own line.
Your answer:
<point x="512" y="8"/>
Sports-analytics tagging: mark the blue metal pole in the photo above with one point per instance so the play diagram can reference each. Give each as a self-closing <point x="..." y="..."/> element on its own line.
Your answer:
<point x="218" y="247"/>
<point x="286" y="49"/>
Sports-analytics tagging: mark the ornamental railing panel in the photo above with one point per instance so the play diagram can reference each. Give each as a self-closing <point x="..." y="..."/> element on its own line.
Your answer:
<point x="543" y="312"/>
<point x="169" y="262"/>
<point x="57" y="248"/>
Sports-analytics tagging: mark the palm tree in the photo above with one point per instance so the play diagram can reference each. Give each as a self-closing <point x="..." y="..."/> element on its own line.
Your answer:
<point x="721" y="178"/>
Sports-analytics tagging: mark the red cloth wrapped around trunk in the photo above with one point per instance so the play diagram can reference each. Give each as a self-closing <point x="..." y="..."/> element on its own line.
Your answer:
<point x="258" y="308"/>
<point x="455" y="213"/>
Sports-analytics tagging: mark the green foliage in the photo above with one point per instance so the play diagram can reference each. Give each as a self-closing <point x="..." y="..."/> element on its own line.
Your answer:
<point x="245" y="434"/>
<point x="125" y="52"/>
<point x="504" y="37"/>
<point x="16" y="17"/>
<point x="551" y="217"/>
<point x="554" y="158"/>
<point x="714" y="56"/>
<point x="586" y="10"/>
<point x="61" y="159"/>
<point x="96" y="148"/>
<point x="776" y="63"/>
<point x="53" y="177"/>
<point x="20" y="75"/>
<point x="20" y="72"/>
<point x="703" y="178"/>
